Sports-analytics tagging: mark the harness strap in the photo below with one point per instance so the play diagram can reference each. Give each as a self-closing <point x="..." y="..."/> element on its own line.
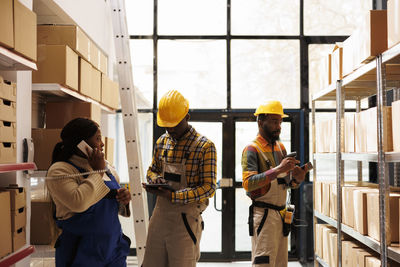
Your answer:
<point x="265" y="206"/>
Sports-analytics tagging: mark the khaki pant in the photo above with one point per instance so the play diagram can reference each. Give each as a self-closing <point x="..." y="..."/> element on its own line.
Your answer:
<point x="174" y="235"/>
<point x="269" y="247"/>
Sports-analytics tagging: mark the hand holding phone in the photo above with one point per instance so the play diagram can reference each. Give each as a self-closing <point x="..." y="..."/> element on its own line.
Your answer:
<point x="308" y="165"/>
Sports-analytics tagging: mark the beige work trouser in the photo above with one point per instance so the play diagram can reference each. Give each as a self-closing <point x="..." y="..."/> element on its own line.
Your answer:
<point x="170" y="242"/>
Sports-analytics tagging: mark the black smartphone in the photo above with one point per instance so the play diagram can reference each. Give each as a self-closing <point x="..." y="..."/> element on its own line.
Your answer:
<point x="309" y="166"/>
<point x="293" y="154"/>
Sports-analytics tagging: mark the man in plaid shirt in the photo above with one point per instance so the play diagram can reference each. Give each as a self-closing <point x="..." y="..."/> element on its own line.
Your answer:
<point x="186" y="161"/>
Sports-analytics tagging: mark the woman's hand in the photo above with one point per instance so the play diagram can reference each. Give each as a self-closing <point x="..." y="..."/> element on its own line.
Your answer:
<point x="96" y="160"/>
<point x="123" y="196"/>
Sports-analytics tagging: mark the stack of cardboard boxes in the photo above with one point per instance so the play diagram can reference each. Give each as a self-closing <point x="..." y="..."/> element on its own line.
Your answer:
<point x="8" y="98"/>
<point x="18" y="28"/>
<point x="13" y="219"/>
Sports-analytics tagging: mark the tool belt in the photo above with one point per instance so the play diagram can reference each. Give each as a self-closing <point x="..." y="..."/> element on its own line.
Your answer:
<point x="266" y="207"/>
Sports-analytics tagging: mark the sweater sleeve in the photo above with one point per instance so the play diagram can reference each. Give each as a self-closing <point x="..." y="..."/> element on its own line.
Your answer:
<point x="75" y="194"/>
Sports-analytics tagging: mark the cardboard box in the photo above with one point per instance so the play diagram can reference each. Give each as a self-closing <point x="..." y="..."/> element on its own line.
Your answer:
<point x="69" y="35"/>
<point x="318" y="196"/>
<point x="60" y="113"/>
<point x="8" y="153"/>
<point x="57" y="64"/>
<point x="393" y="22"/>
<point x="93" y="54"/>
<point x="373" y="34"/>
<point x="5" y="224"/>
<point x="85" y="77"/>
<point x="109" y="152"/>
<point x="361" y="256"/>
<point x="348" y="48"/>
<point x="333" y="201"/>
<point x="360" y="209"/>
<point x="8" y="111"/>
<point x="6" y="25"/>
<point x="326" y="243"/>
<point x="44" y="231"/>
<point x="8" y="132"/>
<point x="17" y="196"/>
<point x="103" y="63"/>
<point x="18" y="239"/>
<point x="348" y="205"/>
<point x="396" y="125"/>
<point x="96" y="85"/>
<point x="360" y="127"/>
<point x="337" y="62"/>
<point x="372" y="132"/>
<point x="349" y="139"/>
<point x="8" y="90"/>
<point x="44" y="141"/>
<point x="392" y="233"/>
<point x="18" y="219"/>
<point x="109" y="92"/>
<point x="333" y="247"/>
<point x="326" y="198"/>
<point x="347" y="255"/>
<point x="372" y="262"/>
<point x="318" y="239"/>
<point x="25" y="31"/>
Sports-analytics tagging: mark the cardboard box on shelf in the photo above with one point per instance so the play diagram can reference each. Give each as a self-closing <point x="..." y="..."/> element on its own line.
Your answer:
<point x="44" y="231"/>
<point x="60" y="113"/>
<point x="337" y="62"/>
<point x="372" y="136"/>
<point x="109" y="92"/>
<point x="326" y="244"/>
<point x="6" y="25"/>
<point x="44" y="141"/>
<point x="85" y="77"/>
<point x="18" y="239"/>
<point x="373" y="34"/>
<point x="17" y="196"/>
<point x="392" y="233"/>
<point x="8" y="110"/>
<point x="348" y="205"/>
<point x="8" y="152"/>
<point x="5" y="223"/>
<point x="8" y="132"/>
<point x="69" y="35"/>
<point x="393" y="22"/>
<point x="25" y="31"/>
<point x="347" y="255"/>
<point x="395" y="125"/>
<point x="103" y="63"/>
<point x="318" y="196"/>
<point x="96" y="85"/>
<point x="360" y="209"/>
<point x="361" y="256"/>
<point x="109" y="152"/>
<point x="360" y="131"/>
<point x="18" y="219"/>
<point x="348" y="53"/>
<point x="333" y="245"/>
<point x="93" y="54"/>
<point x="8" y="90"/>
<point x="318" y="239"/>
<point x="57" y="64"/>
<point x="349" y="139"/>
<point x="326" y="198"/>
<point x="372" y="262"/>
<point x="333" y="201"/>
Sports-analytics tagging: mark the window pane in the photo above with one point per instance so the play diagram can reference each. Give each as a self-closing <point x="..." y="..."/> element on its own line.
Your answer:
<point x="142" y="68"/>
<point x="192" y="17"/>
<point x="139" y="16"/>
<point x="245" y="133"/>
<point x="260" y="17"/>
<point x="242" y="238"/>
<point x="316" y="54"/>
<point x="335" y="17"/>
<point x="265" y="70"/>
<point x="195" y="68"/>
<point x="211" y="240"/>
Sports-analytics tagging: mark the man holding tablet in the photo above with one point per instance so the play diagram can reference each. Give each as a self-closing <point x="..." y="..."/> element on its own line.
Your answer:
<point x="186" y="161"/>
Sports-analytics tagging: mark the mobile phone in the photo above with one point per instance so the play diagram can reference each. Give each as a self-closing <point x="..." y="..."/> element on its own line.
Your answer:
<point x="156" y="186"/>
<point x="293" y="154"/>
<point x="309" y="166"/>
<point x="84" y="147"/>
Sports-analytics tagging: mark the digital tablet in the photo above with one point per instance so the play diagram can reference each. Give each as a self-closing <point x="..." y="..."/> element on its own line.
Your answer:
<point x="155" y="186"/>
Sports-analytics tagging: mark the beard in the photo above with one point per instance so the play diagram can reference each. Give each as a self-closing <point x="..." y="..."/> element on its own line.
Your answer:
<point x="273" y="136"/>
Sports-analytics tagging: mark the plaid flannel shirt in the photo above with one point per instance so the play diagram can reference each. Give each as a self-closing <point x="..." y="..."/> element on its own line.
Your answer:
<point x="201" y="166"/>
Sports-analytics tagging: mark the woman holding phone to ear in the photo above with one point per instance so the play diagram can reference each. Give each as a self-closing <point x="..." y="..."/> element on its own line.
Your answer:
<point x="88" y="199"/>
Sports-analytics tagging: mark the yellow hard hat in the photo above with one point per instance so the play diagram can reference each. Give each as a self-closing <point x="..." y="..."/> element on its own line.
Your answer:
<point x="172" y="108"/>
<point x="271" y="107"/>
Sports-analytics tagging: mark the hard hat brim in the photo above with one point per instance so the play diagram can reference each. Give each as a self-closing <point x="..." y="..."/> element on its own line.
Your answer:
<point x="282" y="115"/>
<point x="163" y="123"/>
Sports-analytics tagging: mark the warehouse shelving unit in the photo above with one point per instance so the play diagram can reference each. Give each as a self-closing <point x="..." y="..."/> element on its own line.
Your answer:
<point x="370" y="79"/>
<point x="12" y="61"/>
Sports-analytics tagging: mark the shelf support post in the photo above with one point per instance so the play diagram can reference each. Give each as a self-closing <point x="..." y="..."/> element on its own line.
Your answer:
<point x="382" y="165"/>
<point x="359" y="163"/>
<point x="396" y="96"/>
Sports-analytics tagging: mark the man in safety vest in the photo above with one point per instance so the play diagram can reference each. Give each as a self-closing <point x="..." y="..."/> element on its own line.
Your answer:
<point x="187" y="162"/>
<point x="267" y="174"/>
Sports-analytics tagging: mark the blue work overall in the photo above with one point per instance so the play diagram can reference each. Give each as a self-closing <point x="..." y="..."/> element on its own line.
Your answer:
<point x="93" y="237"/>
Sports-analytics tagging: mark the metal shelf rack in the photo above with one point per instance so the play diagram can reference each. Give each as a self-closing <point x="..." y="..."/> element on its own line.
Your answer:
<point x="17" y="256"/>
<point x="29" y="166"/>
<point x="370" y="79"/>
<point x="12" y="61"/>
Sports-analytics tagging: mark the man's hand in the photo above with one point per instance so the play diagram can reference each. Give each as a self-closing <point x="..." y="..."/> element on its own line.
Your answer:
<point x="123" y="196"/>
<point x="162" y="192"/>
<point x="299" y="174"/>
<point x="287" y="164"/>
